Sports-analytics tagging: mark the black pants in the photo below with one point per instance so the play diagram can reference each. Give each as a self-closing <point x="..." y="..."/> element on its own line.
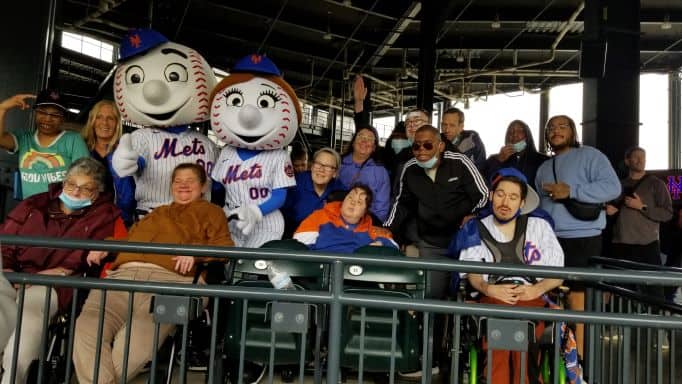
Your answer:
<point x="648" y="254"/>
<point x="577" y="253"/>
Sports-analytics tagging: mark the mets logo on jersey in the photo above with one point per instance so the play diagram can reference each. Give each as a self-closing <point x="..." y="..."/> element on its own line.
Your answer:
<point x="235" y="173"/>
<point x="531" y="253"/>
<point x="289" y="170"/>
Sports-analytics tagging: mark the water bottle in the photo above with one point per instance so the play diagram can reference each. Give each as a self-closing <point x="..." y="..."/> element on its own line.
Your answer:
<point x="279" y="279"/>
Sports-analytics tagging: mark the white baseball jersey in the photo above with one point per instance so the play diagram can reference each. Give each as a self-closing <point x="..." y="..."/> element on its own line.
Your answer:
<point x="250" y="182"/>
<point x="162" y="152"/>
<point x="541" y="247"/>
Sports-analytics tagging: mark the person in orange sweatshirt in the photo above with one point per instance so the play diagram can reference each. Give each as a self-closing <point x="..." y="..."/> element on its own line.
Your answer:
<point x="189" y="219"/>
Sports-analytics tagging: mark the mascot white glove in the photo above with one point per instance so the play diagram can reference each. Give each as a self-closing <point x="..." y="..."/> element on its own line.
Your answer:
<point x="124" y="159"/>
<point x="248" y="216"/>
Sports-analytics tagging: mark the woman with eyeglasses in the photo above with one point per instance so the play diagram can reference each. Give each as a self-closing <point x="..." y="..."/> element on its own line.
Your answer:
<point x="312" y="189"/>
<point x="359" y="166"/>
<point x="46" y="153"/>
<point x="76" y="208"/>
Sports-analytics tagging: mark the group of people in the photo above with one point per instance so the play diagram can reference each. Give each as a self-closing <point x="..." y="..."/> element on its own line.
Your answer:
<point x="437" y="197"/>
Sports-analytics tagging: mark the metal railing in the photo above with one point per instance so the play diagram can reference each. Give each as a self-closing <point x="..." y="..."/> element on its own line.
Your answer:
<point x="335" y="298"/>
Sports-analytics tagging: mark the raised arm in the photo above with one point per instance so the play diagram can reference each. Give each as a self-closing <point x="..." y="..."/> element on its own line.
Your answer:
<point x="17" y="101"/>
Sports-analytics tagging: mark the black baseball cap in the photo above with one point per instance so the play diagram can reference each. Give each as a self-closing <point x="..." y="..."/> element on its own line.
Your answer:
<point x="50" y="97"/>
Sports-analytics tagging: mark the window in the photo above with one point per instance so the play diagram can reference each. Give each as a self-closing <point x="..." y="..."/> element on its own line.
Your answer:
<point x="653" y="117"/>
<point x="88" y="46"/>
<point x="491" y="117"/>
<point x="384" y="126"/>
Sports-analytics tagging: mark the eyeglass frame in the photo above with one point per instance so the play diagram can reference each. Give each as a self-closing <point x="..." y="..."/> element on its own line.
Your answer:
<point x="417" y="146"/>
<point x="324" y="167"/>
<point x="41" y="111"/>
<point x="86" y="191"/>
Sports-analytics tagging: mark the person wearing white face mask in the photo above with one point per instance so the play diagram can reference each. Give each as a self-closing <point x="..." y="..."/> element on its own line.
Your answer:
<point x="518" y="152"/>
<point x="76" y="208"/>
<point x="438" y="188"/>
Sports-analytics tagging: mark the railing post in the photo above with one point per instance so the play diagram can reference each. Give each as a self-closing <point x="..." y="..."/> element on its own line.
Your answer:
<point x="335" y="324"/>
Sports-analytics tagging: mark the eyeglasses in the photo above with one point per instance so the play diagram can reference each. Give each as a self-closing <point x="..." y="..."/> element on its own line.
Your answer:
<point x="365" y="138"/>
<point x="50" y="115"/>
<point x="86" y="190"/>
<point x="500" y="194"/>
<point x="427" y="145"/>
<point x="414" y="121"/>
<point x="324" y="167"/>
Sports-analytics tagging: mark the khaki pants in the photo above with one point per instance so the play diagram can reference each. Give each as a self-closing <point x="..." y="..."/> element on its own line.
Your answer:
<point x="114" y="330"/>
<point x="31" y="332"/>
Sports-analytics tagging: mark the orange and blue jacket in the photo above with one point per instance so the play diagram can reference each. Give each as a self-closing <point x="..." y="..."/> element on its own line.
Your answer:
<point x="326" y="230"/>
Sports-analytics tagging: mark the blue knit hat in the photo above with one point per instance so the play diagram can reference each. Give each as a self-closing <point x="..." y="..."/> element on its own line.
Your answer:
<point x="138" y="41"/>
<point x="258" y="64"/>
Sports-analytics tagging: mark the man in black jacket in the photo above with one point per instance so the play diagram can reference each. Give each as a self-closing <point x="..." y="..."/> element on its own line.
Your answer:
<point x="439" y="188"/>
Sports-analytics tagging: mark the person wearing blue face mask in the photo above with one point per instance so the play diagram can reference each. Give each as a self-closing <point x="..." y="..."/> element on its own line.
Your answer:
<point x="76" y="208"/>
<point x="518" y="152"/>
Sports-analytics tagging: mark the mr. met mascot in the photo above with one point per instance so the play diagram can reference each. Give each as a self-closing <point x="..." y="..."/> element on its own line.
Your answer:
<point x="256" y="113"/>
<point x="162" y="87"/>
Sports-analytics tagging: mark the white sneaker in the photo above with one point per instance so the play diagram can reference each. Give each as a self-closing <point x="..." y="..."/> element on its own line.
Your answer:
<point x="417" y="375"/>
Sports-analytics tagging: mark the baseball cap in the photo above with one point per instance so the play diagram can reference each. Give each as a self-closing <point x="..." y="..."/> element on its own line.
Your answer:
<point x="50" y="97"/>
<point x="138" y="41"/>
<point x="532" y="198"/>
<point x="258" y="64"/>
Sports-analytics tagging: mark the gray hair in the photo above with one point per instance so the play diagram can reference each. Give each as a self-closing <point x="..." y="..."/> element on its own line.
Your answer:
<point x="87" y="166"/>
<point x="330" y="151"/>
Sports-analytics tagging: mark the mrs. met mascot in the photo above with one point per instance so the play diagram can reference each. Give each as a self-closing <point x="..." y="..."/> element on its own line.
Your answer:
<point x="163" y="87"/>
<point x="257" y="114"/>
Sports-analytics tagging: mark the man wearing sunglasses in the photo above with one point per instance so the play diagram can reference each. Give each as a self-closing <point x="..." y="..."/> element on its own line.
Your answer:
<point x="44" y="155"/>
<point x="438" y="188"/>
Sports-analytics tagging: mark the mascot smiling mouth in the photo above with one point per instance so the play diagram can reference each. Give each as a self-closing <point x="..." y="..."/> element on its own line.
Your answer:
<point x="249" y="139"/>
<point x="167" y="115"/>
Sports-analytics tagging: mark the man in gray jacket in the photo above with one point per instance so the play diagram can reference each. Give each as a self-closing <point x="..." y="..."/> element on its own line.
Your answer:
<point x="643" y="205"/>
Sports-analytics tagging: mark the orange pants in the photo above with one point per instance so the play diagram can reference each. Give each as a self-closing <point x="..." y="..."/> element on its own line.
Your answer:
<point x="506" y="365"/>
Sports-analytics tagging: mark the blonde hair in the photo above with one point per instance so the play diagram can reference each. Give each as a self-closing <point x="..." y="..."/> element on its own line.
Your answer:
<point x="89" y="130"/>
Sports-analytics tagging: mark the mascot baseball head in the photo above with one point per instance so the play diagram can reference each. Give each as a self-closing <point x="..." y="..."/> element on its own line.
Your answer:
<point x="254" y="108"/>
<point x="160" y="83"/>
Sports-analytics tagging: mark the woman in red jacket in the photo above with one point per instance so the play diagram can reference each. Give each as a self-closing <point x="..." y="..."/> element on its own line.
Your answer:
<point x="75" y="208"/>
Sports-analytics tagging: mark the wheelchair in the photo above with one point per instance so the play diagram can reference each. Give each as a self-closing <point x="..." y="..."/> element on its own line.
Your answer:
<point x="472" y="354"/>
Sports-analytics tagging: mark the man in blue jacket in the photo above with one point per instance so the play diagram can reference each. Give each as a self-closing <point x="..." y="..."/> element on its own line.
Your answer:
<point x="581" y="173"/>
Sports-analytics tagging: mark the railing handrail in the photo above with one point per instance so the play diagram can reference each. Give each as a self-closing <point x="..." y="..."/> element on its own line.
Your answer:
<point x="566" y="273"/>
<point x="322" y="297"/>
<point x="627" y="264"/>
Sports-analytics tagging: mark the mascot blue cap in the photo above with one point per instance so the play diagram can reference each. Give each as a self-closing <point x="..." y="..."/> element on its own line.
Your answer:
<point x="138" y="41"/>
<point x="256" y="64"/>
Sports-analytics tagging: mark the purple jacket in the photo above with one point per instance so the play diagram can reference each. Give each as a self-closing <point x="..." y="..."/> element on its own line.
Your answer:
<point x="372" y="175"/>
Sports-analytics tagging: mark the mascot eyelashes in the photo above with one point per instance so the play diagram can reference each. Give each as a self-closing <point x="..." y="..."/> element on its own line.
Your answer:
<point x="257" y="114"/>
<point x="163" y="87"/>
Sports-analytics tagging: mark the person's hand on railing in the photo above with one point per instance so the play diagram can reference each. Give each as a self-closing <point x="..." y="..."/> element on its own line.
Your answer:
<point x="95" y="257"/>
<point x="183" y="264"/>
<point x="59" y="271"/>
